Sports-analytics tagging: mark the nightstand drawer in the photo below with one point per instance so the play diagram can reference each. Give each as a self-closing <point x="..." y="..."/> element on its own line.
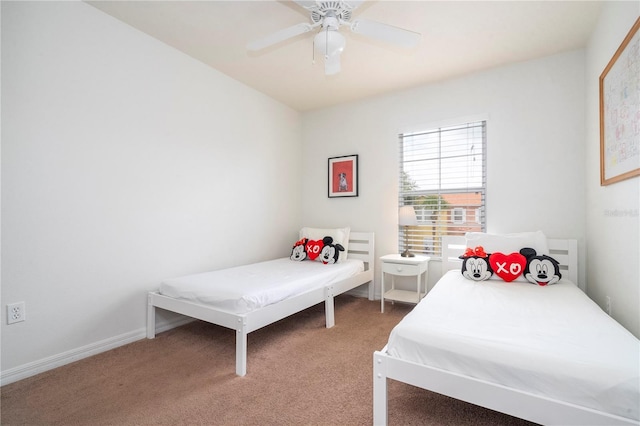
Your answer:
<point x="400" y="269"/>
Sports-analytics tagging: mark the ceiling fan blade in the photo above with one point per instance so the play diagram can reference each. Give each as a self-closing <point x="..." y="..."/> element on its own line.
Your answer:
<point x="279" y="36"/>
<point x="307" y="4"/>
<point x="384" y="32"/>
<point x="332" y="64"/>
<point x="353" y="3"/>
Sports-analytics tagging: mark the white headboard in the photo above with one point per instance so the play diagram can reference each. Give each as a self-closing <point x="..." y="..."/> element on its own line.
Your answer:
<point x="361" y="246"/>
<point x="564" y="251"/>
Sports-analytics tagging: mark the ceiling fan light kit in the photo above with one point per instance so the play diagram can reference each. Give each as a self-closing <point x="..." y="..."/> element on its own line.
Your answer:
<point x="332" y="65"/>
<point x="329" y="42"/>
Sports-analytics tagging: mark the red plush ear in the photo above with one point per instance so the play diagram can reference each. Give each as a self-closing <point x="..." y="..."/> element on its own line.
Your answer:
<point x="508" y="266"/>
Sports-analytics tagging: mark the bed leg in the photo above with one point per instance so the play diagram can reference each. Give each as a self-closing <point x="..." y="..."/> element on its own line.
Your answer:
<point x="371" y="290"/>
<point x="241" y="347"/>
<point x="329" y="308"/>
<point x="151" y="319"/>
<point x="379" y="390"/>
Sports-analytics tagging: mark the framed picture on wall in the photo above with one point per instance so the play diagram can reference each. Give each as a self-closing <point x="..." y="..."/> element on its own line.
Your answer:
<point x="620" y="112"/>
<point x="343" y="176"/>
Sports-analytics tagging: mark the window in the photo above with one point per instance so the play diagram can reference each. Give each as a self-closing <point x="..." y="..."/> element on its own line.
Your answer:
<point x="443" y="176"/>
<point x="458" y="215"/>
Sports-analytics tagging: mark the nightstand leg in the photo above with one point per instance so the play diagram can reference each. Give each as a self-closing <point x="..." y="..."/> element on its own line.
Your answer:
<point x="382" y="293"/>
<point x="393" y="287"/>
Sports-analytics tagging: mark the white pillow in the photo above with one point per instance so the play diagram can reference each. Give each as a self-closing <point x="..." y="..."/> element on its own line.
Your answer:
<point x="339" y="235"/>
<point x="508" y="243"/>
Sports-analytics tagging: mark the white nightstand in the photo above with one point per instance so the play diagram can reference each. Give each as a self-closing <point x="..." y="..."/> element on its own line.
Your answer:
<point x="394" y="264"/>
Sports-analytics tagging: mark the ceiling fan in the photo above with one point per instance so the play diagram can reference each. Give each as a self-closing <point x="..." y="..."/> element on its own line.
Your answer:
<point x="329" y="16"/>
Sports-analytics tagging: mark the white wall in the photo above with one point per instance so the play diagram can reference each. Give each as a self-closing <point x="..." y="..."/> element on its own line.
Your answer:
<point x="125" y="162"/>
<point x="613" y="222"/>
<point x="536" y="152"/>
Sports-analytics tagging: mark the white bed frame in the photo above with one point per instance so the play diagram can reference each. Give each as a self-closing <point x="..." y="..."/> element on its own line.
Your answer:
<point x="506" y="400"/>
<point x="361" y="246"/>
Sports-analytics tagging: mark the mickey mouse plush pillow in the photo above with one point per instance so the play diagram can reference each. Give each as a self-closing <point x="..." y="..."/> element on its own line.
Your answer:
<point x="540" y="269"/>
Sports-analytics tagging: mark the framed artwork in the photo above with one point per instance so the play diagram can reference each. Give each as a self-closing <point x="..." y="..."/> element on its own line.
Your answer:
<point x="343" y="176"/>
<point x="620" y="112"/>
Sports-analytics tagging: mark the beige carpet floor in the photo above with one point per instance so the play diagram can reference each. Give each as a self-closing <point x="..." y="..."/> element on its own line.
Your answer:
<point x="299" y="373"/>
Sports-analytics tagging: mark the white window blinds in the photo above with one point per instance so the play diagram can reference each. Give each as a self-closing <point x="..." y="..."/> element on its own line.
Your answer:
<point x="443" y="176"/>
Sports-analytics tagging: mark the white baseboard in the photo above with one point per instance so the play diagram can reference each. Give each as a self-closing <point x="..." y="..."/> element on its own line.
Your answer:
<point x="49" y="363"/>
<point x="357" y="292"/>
<point x="363" y="291"/>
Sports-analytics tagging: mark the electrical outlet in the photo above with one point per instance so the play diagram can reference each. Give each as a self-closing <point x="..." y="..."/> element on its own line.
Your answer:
<point x="15" y="313"/>
<point x="608" y="305"/>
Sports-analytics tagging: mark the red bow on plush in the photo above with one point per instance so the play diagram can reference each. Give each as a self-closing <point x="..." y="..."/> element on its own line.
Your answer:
<point x="478" y="251"/>
<point x="300" y="242"/>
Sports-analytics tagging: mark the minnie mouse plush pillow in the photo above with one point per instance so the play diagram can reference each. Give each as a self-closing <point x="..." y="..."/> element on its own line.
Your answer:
<point x="299" y="250"/>
<point x="475" y="264"/>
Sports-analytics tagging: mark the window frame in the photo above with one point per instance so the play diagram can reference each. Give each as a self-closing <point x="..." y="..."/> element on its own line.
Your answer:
<point x="471" y="190"/>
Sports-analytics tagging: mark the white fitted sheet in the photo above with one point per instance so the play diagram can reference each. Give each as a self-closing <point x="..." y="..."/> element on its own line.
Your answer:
<point x="246" y="288"/>
<point x="552" y="341"/>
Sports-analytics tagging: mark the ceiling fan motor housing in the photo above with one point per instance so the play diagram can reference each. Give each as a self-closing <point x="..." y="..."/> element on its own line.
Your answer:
<point x="337" y="9"/>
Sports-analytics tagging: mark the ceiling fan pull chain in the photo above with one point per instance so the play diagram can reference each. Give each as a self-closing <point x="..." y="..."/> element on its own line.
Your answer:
<point x="313" y="53"/>
<point x="326" y="44"/>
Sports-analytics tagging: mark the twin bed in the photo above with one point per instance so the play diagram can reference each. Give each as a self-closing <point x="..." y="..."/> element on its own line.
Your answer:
<point x="547" y="354"/>
<point x="250" y="297"/>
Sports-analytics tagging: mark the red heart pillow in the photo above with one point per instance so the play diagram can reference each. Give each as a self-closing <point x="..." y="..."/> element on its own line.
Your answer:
<point x="507" y="266"/>
<point x="313" y="248"/>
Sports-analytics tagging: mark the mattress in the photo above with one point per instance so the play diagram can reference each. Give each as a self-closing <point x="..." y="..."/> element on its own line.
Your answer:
<point x="246" y="288"/>
<point x="552" y="341"/>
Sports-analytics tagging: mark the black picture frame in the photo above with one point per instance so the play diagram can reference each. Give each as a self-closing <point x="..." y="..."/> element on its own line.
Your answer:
<point x="343" y="176"/>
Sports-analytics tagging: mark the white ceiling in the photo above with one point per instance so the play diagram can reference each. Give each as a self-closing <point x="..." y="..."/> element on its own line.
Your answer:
<point x="458" y="37"/>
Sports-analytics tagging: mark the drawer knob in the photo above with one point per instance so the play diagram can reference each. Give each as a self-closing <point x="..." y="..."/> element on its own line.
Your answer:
<point x="399" y="268"/>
